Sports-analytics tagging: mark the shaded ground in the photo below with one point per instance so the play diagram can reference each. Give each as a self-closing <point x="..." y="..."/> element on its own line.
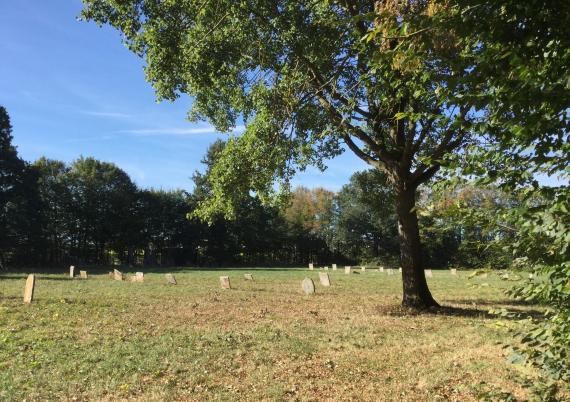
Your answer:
<point x="100" y="339"/>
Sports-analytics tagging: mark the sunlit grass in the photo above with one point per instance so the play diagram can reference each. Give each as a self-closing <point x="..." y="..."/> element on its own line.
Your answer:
<point x="100" y="339"/>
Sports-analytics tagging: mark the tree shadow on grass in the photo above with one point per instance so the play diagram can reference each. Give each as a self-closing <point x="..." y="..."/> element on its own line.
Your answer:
<point x="463" y="312"/>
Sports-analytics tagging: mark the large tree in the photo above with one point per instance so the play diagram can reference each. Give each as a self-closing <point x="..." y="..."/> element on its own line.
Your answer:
<point x="309" y="79"/>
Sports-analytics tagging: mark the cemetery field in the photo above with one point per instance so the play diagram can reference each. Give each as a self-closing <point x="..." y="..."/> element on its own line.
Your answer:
<point x="100" y="339"/>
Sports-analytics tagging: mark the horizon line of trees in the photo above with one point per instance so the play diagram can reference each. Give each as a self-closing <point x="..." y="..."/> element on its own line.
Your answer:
<point x="90" y="212"/>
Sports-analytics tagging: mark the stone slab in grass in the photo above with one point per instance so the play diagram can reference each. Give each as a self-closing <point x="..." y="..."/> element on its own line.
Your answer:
<point x="138" y="277"/>
<point x="324" y="278"/>
<point x="381" y="269"/>
<point x="29" y="288"/>
<point x="308" y="286"/>
<point x="71" y="271"/>
<point x="225" y="282"/>
<point x="429" y="273"/>
<point x="326" y="268"/>
<point x="117" y="275"/>
<point x="363" y="269"/>
<point x="453" y="271"/>
<point x="347" y="270"/>
<point x="248" y="277"/>
<point x="83" y="274"/>
<point x="170" y="279"/>
<point x="334" y="267"/>
<point x="311" y="266"/>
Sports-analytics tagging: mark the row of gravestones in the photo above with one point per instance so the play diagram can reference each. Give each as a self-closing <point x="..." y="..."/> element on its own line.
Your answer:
<point x="307" y="284"/>
<point x="389" y="271"/>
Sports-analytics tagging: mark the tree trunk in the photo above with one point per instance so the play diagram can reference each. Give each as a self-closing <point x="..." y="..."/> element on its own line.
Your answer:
<point x="415" y="289"/>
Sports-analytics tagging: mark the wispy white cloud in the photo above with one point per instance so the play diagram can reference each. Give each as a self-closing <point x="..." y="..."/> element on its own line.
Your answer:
<point x="177" y="131"/>
<point x="114" y="115"/>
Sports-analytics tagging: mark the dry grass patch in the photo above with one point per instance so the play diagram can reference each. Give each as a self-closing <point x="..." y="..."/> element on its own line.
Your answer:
<point x="100" y="339"/>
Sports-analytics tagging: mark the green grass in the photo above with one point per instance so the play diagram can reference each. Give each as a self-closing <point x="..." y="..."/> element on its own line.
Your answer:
<point x="100" y="339"/>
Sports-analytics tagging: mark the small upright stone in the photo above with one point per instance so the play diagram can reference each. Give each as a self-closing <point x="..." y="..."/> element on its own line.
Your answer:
<point x="381" y="269"/>
<point x="324" y="278"/>
<point x="334" y="267"/>
<point x="248" y="277"/>
<point x="453" y="271"/>
<point x="400" y="269"/>
<point x="428" y="272"/>
<point x="138" y="277"/>
<point x="225" y="282"/>
<point x="308" y="286"/>
<point x="311" y="266"/>
<point x="347" y="270"/>
<point x="363" y="268"/>
<point x="326" y="268"/>
<point x="29" y="289"/>
<point x="170" y="279"/>
<point x="83" y="274"/>
<point x="71" y="271"/>
<point x="117" y="275"/>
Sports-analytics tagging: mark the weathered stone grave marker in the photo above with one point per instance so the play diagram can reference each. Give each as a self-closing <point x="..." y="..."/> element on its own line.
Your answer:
<point x="326" y="268"/>
<point x="83" y="274"/>
<point x="453" y="271"/>
<point x="71" y="271"/>
<point x="363" y="269"/>
<point x="400" y="269"/>
<point x="138" y="277"/>
<point x="117" y="275"/>
<point x="311" y="266"/>
<point x="225" y="282"/>
<point x="308" y="286"/>
<point x="248" y="277"/>
<point x="170" y="279"/>
<point x="429" y="274"/>
<point x="29" y="289"/>
<point x="347" y="270"/>
<point x="381" y="269"/>
<point x="334" y="267"/>
<point x="324" y="278"/>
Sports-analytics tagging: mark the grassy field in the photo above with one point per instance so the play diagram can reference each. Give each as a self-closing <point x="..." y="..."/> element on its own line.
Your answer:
<point x="100" y="339"/>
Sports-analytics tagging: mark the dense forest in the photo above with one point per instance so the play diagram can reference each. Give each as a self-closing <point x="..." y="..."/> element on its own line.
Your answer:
<point x="91" y="212"/>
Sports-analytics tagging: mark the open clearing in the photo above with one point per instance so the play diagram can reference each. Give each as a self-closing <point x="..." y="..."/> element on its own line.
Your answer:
<point x="100" y="339"/>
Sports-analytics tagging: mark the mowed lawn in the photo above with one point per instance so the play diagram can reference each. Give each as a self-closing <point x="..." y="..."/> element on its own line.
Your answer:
<point x="100" y="339"/>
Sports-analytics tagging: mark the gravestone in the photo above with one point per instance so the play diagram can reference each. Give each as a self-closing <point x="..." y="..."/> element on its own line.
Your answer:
<point x="334" y="267"/>
<point x="311" y="266"/>
<point x="324" y="278"/>
<point x="381" y="269"/>
<point x="429" y="274"/>
<point x="347" y="270"/>
<point x="400" y="269"/>
<point x="326" y="268"/>
<point x="485" y="275"/>
<point x="248" y="277"/>
<point x="71" y="271"/>
<point x="170" y="279"/>
<point x="390" y="271"/>
<point x="225" y="282"/>
<point x="453" y="271"/>
<point x="138" y="277"/>
<point x="29" y="289"/>
<point x="117" y="275"/>
<point x="83" y="274"/>
<point x="308" y="286"/>
<point x="363" y="269"/>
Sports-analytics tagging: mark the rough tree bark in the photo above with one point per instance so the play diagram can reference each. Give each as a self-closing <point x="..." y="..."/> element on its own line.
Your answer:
<point x="415" y="289"/>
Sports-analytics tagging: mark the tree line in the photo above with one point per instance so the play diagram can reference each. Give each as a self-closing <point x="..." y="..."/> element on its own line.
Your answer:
<point x="91" y="212"/>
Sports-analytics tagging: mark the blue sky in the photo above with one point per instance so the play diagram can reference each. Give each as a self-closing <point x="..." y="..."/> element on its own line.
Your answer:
<point x="72" y="88"/>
